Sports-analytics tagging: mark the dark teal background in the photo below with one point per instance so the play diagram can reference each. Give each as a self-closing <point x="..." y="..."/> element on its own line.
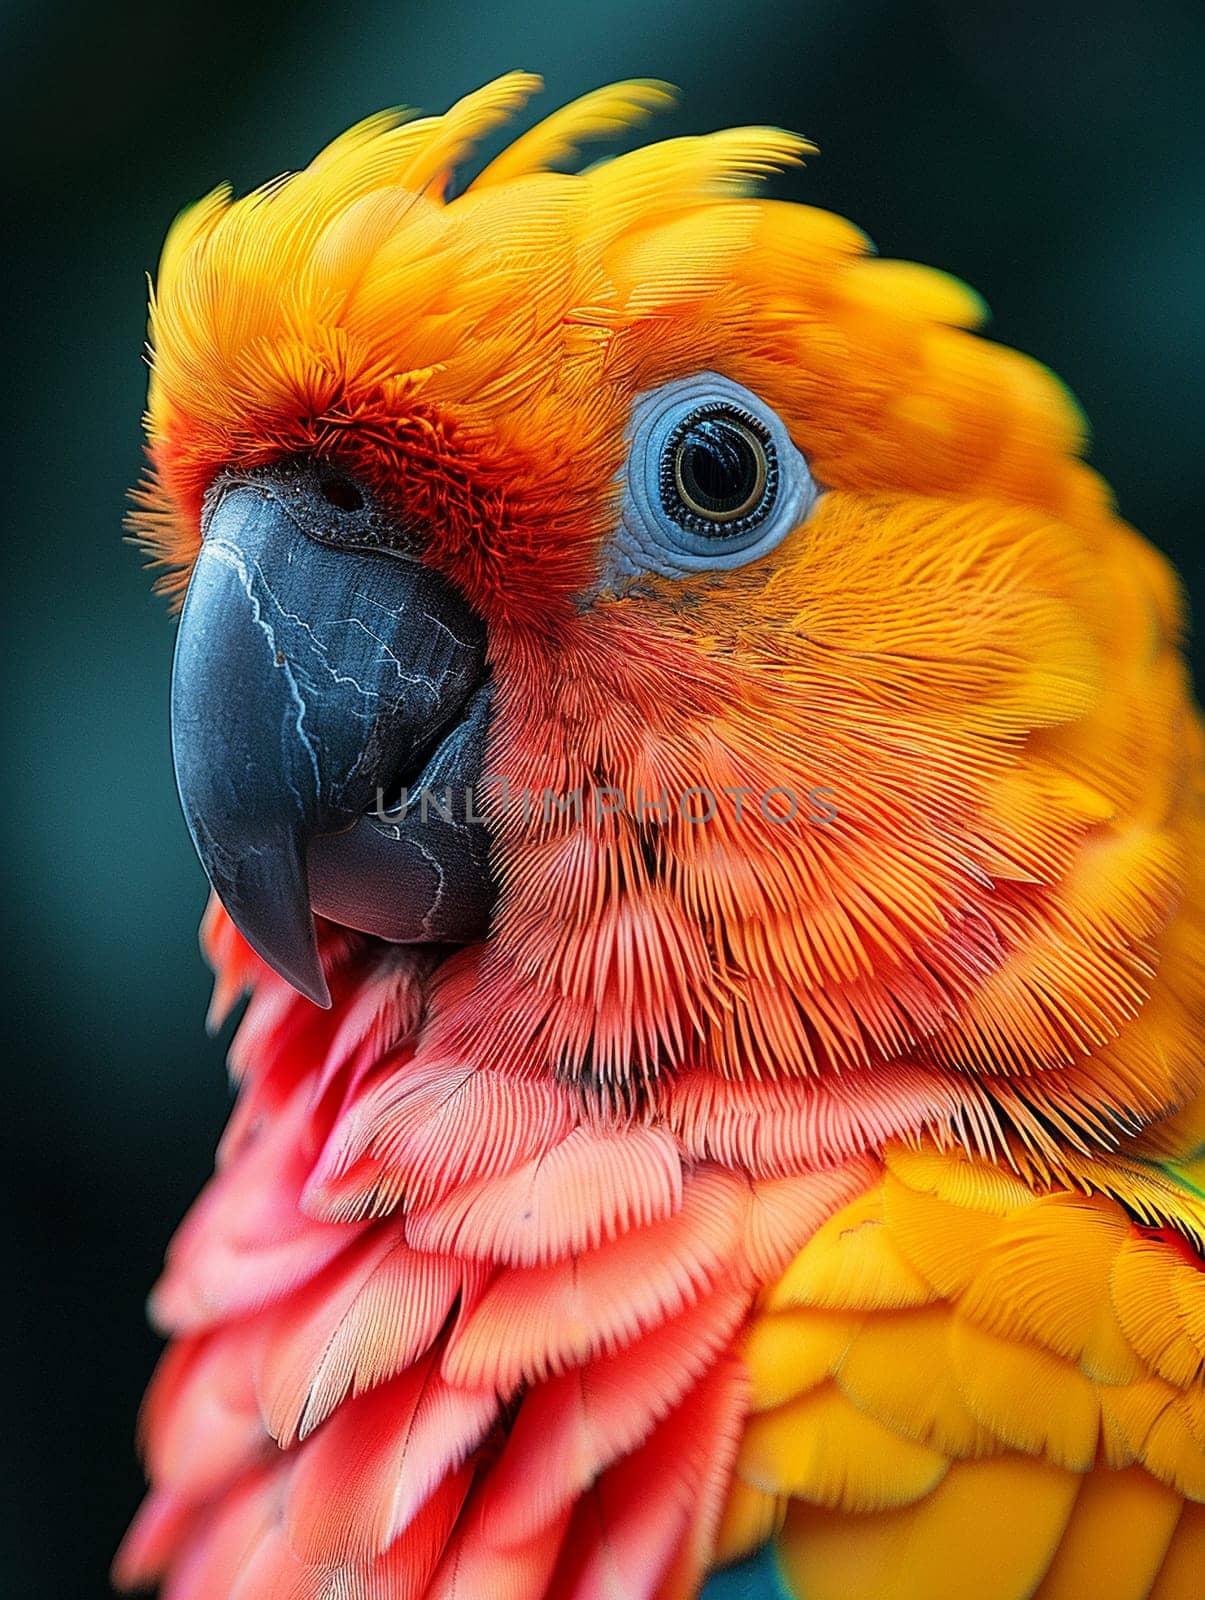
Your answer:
<point x="1052" y="156"/>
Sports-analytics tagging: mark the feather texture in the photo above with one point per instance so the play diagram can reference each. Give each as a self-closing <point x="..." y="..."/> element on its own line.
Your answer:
<point x="824" y="1196"/>
<point x="985" y="1424"/>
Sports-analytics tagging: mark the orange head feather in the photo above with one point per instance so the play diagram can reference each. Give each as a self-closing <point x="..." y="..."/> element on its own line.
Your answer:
<point x="960" y="645"/>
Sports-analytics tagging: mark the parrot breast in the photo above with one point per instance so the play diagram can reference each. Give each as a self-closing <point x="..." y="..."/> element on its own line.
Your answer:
<point x="516" y="1377"/>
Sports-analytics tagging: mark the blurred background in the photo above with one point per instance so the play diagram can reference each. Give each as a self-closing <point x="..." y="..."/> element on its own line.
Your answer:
<point x="1051" y="154"/>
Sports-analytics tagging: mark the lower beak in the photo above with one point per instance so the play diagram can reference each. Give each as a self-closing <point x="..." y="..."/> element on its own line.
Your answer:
<point x="318" y="665"/>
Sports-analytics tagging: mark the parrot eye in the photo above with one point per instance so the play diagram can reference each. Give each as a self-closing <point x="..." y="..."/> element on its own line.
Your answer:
<point x="713" y="482"/>
<point x="719" y="469"/>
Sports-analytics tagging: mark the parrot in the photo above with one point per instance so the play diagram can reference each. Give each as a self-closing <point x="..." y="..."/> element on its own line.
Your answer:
<point x="703" y="801"/>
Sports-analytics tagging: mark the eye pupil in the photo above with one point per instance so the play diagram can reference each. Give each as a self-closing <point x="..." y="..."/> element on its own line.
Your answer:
<point x="718" y="466"/>
<point x="720" y="472"/>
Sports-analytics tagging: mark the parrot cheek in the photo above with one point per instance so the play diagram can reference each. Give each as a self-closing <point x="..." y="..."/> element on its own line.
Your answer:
<point x="319" y="666"/>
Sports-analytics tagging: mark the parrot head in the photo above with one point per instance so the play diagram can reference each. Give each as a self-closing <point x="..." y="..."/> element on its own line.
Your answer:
<point x="792" y="713"/>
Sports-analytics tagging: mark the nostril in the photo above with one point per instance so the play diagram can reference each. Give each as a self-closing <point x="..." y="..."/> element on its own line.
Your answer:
<point x="340" y="492"/>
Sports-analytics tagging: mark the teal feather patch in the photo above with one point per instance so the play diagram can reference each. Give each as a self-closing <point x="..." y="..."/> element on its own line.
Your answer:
<point x="755" y="1579"/>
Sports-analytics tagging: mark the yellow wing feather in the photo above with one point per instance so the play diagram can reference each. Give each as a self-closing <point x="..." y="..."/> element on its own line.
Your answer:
<point x="965" y="1386"/>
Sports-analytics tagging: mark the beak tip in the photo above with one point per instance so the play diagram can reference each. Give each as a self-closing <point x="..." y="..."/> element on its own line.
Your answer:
<point x="281" y="932"/>
<point x="301" y="969"/>
<point x="318" y="992"/>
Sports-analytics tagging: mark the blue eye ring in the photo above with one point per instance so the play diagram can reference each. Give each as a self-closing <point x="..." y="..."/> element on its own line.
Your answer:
<point x="659" y="531"/>
<point x="736" y="439"/>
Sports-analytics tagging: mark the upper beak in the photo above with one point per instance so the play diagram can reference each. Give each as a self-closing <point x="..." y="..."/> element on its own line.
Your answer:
<point x="318" y="662"/>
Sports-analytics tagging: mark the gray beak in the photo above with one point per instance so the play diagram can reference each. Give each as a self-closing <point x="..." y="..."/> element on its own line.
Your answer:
<point x="319" y="664"/>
